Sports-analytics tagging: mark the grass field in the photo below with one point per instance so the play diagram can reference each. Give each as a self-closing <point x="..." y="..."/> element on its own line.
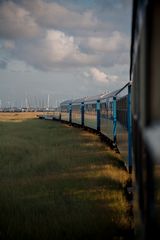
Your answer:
<point x="58" y="182"/>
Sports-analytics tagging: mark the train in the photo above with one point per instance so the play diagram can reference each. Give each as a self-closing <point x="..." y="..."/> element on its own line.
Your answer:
<point x="145" y="77"/>
<point x="107" y="114"/>
<point x="129" y="118"/>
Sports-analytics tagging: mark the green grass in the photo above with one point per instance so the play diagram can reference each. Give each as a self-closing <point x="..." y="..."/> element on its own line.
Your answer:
<point x="58" y="182"/>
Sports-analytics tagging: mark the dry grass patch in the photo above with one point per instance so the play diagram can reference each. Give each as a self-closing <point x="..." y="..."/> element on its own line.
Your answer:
<point x="17" y="117"/>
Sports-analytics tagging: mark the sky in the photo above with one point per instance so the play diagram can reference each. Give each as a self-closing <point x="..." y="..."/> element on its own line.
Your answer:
<point x="63" y="49"/>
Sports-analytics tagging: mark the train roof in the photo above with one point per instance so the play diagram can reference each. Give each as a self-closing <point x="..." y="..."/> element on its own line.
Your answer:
<point x="109" y="95"/>
<point x="66" y="102"/>
<point x="93" y="99"/>
<point x="103" y="96"/>
<point x="79" y="100"/>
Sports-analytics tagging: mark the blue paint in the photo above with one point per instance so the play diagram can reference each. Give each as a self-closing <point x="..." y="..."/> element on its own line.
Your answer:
<point x="70" y="112"/>
<point x="98" y="115"/>
<point x="82" y="114"/>
<point x="98" y="105"/>
<point x="114" y="121"/>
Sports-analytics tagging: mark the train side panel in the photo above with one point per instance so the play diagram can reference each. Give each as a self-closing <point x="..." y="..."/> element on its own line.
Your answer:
<point x="90" y="115"/>
<point x="65" y="112"/>
<point x="106" y="123"/>
<point x="76" y="114"/>
<point x="122" y="126"/>
<point x="57" y="113"/>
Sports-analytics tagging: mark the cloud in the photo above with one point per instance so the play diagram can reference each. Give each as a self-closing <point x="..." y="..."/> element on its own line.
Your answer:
<point x="108" y="50"/>
<point x="115" y="42"/>
<point x="57" y="16"/>
<point x="16" y="22"/>
<point x="47" y="34"/>
<point x="30" y="30"/>
<point x="100" y="76"/>
<point x="55" y="49"/>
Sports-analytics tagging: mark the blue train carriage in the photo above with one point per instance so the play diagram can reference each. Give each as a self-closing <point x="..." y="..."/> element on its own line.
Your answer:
<point x="107" y="116"/>
<point x="115" y="121"/>
<point x="123" y="121"/>
<point x="145" y="74"/>
<point x="110" y="114"/>
<point x="57" y="113"/>
<point x="66" y="111"/>
<point x="78" y="111"/>
<point x="92" y="112"/>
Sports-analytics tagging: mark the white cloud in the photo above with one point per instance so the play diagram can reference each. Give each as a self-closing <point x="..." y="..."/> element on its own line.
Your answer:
<point x="54" y="15"/>
<point x="86" y="74"/>
<point x="16" y="22"/>
<point x="55" y="49"/>
<point x="115" y="42"/>
<point x="100" y="76"/>
<point x="46" y="35"/>
<point x="66" y="39"/>
<point x="60" y="46"/>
